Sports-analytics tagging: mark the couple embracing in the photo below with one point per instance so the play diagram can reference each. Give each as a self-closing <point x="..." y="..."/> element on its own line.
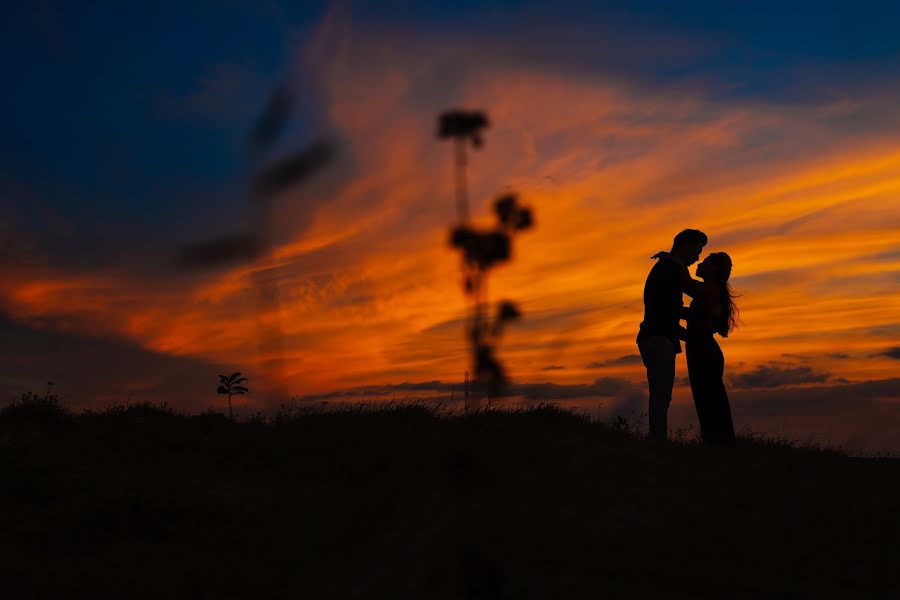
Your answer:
<point x="712" y="311"/>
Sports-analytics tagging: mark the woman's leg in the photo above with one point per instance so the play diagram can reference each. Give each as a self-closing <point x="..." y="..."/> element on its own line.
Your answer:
<point x="698" y="375"/>
<point x="722" y="424"/>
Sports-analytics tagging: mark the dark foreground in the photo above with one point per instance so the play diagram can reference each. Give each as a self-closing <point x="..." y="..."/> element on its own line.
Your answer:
<point x="401" y="503"/>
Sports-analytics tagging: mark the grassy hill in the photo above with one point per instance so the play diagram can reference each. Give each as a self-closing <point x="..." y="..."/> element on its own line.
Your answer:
<point x="401" y="502"/>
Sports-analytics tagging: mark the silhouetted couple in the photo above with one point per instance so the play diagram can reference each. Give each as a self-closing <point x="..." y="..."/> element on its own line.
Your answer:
<point x="712" y="311"/>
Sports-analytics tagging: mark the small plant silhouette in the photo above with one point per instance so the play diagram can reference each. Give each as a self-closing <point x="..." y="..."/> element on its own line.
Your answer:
<point x="231" y="387"/>
<point x="481" y="251"/>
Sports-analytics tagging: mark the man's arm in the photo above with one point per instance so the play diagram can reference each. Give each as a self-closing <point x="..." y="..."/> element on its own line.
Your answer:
<point x="688" y="284"/>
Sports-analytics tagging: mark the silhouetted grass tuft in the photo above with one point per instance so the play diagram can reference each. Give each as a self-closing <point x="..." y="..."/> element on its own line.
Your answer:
<point x="137" y="412"/>
<point x="32" y="409"/>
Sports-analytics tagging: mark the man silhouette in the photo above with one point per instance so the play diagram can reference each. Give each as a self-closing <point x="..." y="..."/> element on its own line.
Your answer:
<point x="660" y="335"/>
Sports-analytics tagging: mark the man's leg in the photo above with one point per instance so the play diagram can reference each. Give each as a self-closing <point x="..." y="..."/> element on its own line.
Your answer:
<point x="658" y="355"/>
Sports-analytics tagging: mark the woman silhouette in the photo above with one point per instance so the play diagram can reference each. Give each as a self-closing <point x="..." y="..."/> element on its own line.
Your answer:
<point x="712" y="311"/>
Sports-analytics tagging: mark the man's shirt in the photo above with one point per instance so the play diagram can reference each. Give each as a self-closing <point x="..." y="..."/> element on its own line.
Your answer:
<point x="663" y="302"/>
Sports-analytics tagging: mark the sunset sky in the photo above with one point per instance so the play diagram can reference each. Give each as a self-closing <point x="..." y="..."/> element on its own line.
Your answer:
<point x="773" y="128"/>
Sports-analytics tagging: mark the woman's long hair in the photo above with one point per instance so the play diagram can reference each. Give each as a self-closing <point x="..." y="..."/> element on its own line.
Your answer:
<point x="730" y="314"/>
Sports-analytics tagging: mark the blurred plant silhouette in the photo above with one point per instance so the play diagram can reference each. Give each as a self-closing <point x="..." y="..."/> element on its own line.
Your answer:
<point x="462" y="127"/>
<point x="231" y="386"/>
<point x="482" y="250"/>
<point x="268" y="178"/>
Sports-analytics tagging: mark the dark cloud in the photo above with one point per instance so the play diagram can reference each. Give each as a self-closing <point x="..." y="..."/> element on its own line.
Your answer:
<point x="602" y="387"/>
<point x="886" y="256"/>
<point x="891" y="330"/>
<point x="763" y="279"/>
<point x="539" y="320"/>
<point x="90" y="372"/>
<point x="353" y="301"/>
<point x="757" y="233"/>
<point x="453" y="325"/>
<point x="797" y="356"/>
<point x="704" y="49"/>
<point x="808" y="357"/>
<point x="628" y="359"/>
<point x="554" y="319"/>
<point x="553" y="368"/>
<point x="220" y="252"/>
<point x="891" y="353"/>
<point x="295" y="167"/>
<point x="830" y="400"/>
<point x="775" y="374"/>
<point x="368" y="391"/>
<point x="867" y="284"/>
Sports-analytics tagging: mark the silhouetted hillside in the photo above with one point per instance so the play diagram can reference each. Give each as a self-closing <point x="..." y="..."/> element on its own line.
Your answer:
<point x="401" y="502"/>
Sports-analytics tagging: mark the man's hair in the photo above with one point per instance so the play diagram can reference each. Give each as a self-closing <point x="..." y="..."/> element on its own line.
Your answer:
<point x="690" y="236"/>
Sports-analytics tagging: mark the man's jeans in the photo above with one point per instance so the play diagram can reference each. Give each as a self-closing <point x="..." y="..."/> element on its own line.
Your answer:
<point x="658" y="354"/>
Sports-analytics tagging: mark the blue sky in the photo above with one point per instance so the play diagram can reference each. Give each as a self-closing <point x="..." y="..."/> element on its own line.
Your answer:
<point x="120" y="112"/>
